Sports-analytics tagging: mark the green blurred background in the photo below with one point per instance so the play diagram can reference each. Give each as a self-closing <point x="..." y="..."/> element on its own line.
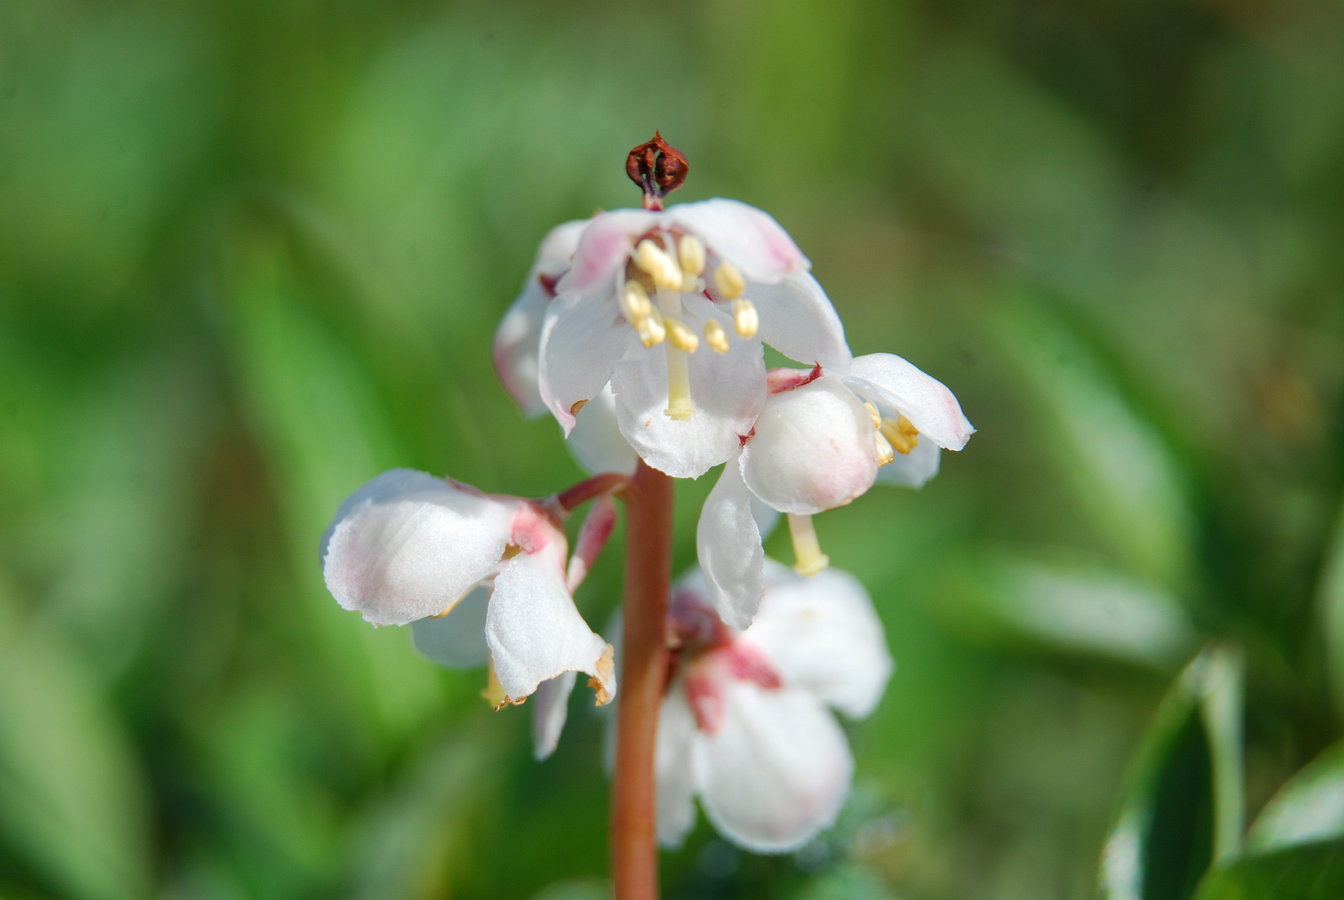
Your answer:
<point x="252" y="254"/>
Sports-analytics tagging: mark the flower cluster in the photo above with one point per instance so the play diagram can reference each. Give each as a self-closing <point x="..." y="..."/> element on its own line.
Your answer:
<point x="643" y="333"/>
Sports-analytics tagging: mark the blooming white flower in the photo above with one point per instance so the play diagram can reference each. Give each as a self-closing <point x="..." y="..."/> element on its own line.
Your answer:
<point x="744" y="725"/>
<point x="410" y="548"/>
<point x="669" y="308"/>
<point x="821" y="439"/>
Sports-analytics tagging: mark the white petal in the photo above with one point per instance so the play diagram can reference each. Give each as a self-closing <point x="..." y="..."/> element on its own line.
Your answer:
<point x="604" y="248"/>
<point x="728" y="391"/>
<point x="408" y="545"/>
<point x="798" y="320"/>
<point x="596" y="441"/>
<point x="672" y="766"/>
<point x="914" y="468"/>
<point x="822" y="634"/>
<point x="550" y="708"/>
<point x="582" y="339"/>
<point x="456" y="640"/>
<point x="897" y="385"/>
<point x="729" y="547"/>
<point x="533" y="628"/>
<point x="516" y="340"/>
<point x="743" y="235"/>
<point x="813" y="449"/>
<point x="777" y="770"/>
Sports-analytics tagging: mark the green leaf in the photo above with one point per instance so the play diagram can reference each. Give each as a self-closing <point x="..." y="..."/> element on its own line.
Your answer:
<point x="1310" y="807"/>
<point x="1330" y="603"/>
<point x="1183" y="805"/>
<point x="1304" y="872"/>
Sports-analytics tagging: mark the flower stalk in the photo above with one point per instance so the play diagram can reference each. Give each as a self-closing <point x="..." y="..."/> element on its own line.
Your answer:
<point x="648" y="575"/>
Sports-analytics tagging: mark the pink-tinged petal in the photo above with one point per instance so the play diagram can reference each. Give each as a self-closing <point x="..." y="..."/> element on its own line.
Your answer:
<point x="776" y="772"/>
<point x="914" y="468"/>
<point x="822" y="635"/>
<point x="534" y="630"/>
<point x="729" y="547"/>
<point x="596" y="441"/>
<point x="604" y="248"/>
<point x="516" y="340"/>
<point x="798" y="320"/>
<point x="408" y="545"/>
<point x="728" y="391"/>
<point x="813" y="449"/>
<point x="582" y="339"/>
<point x="896" y="385"/>
<point x="743" y="235"/>
<point x="672" y="767"/>
<point x="456" y="640"/>
<point x="550" y="708"/>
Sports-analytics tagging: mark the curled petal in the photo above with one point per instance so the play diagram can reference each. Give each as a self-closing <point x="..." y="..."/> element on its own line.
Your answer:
<point x="672" y="765"/>
<point x="822" y="635"/>
<point x="729" y="546"/>
<point x="550" y="708"/>
<point x="582" y="339"/>
<point x="899" y="386"/>
<point x="516" y="340"/>
<point x="776" y="771"/>
<point x="596" y="441"/>
<point x="798" y="320"/>
<point x="744" y="235"/>
<point x="408" y="545"/>
<point x="813" y="449"/>
<point x="728" y="391"/>
<point x="534" y="630"/>
<point x="457" y="640"/>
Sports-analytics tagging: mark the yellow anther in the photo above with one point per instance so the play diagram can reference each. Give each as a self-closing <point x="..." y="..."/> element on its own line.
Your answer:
<point x="651" y="329"/>
<point x="729" y="281"/>
<point x="873" y="414"/>
<point x="680" y="335"/>
<point x="901" y="432"/>
<point x="691" y="254"/>
<point x="885" y="452"/>
<point x="635" y="303"/>
<point x="660" y="266"/>
<point x="745" y="319"/>
<point x="808" y="558"/>
<point x="716" y="336"/>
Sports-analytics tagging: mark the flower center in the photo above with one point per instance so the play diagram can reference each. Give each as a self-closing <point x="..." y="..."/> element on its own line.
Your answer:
<point x="662" y="268"/>
<point x="892" y="436"/>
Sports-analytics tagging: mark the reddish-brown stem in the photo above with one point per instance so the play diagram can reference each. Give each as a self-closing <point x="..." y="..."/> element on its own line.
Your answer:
<point x="581" y="493"/>
<point x="648" y="574"/>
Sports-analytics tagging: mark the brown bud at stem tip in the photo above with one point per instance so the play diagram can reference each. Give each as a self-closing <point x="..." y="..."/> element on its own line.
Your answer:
<point x="658" y="168"/>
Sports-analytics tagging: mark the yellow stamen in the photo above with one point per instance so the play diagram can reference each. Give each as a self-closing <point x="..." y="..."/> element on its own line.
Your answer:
<point x="729" y="281"/>
<point x="873" y="414"/>
<point x="808" y="558"/>
<point x="635" y="303"/>
<point x="716" y="336"/>
<point x="885" y="452"/>
<point x="660" y="266"/>
<point x="680" y="335"/>
<point x="745" y="319"/>
<point x="901" y="432"/>
<point x="691" y="254"/>
<point x="651" y="329"/>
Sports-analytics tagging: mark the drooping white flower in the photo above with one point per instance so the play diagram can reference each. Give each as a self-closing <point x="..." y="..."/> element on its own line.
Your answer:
<point x="485" y="572"/>
<point x="744" y="725"/>
<point x="670" y="308"/>
<point x="821" y="439"/>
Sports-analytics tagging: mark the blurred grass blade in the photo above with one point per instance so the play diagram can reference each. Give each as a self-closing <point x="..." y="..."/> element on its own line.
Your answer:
<point x="1310" y="807"/>
<point x="1304" y="872"/>
<point x="1183" y="805"/>
<point x="1331" y="606"/>
<point x="1068" y="605"/>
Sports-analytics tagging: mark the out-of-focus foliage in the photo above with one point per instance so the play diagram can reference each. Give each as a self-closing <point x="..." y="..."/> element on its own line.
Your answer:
<point x="251" y="254"/>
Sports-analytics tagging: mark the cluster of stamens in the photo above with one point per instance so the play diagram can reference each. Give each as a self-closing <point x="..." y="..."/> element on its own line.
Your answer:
<point x="650" y="300"/>
<point x="892" y="436"/>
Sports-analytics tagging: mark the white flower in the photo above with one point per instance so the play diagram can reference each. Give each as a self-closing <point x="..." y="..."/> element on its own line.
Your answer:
<point x="408" y="547"/>
<point x="744" y="725"/>
<point x="821" y="440"/>
<point x="670" y="309"/>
